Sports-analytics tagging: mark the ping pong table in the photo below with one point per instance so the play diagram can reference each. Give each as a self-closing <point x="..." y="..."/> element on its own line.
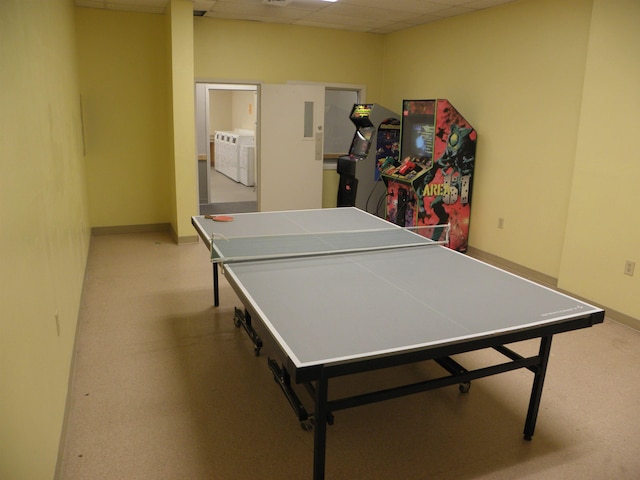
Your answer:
<point x="340" y="292"/>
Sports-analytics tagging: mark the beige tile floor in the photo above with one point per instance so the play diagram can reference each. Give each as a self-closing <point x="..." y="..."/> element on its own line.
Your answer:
<point x="165" y="387"/>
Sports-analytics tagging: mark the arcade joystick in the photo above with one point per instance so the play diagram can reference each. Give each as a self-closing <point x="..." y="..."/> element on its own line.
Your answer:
<point x="406" y="168"/>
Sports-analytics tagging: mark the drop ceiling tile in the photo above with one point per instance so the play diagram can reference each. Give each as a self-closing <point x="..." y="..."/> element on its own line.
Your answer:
<point x="255" y="12"/>
<point x="90" y="3"/>
<point x="480" y="4"/>
<point x="324" y="24"/>
<point x="386" y="15"/>
<point x="453" y="11"/>
<point x="453" y="3"/>
<point x="203" y="5"/>
<point x="420" y="20"/>
<point x="337" y="19"/>
<point x="414" y="6"/>
<point x="379" y="16"/>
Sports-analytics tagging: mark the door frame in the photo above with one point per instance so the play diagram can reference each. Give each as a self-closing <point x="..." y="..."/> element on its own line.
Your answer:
<point x="220" y="85"/>
<point x="252" y="85"/>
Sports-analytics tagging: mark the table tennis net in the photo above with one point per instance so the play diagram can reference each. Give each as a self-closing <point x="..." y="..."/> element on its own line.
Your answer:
<point x="279" y="246"/>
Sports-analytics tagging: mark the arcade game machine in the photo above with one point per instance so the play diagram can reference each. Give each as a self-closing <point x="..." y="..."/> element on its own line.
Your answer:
<point x="432" y="183"/>
<point x="360" y="184"/>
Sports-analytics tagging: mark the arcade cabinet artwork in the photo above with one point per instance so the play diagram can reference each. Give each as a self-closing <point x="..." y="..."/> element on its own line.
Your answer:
<point x="432" y="184"/>
<point x="359" y="171"/>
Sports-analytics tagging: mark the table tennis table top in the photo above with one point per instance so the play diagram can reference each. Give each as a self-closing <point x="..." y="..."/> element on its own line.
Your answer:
<point x="325" y="309"/>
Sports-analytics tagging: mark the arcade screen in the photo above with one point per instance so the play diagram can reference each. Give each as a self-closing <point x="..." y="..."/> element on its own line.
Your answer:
<point x="419" y="141"/>
<point x="418" y="130"/>
<point x="362" y="141"/>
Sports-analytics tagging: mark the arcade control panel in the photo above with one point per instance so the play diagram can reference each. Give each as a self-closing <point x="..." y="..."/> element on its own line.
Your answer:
<point x="408" y="169"/>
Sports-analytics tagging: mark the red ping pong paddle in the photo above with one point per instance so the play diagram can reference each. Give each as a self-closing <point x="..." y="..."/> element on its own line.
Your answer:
<point x="220" y="218"/>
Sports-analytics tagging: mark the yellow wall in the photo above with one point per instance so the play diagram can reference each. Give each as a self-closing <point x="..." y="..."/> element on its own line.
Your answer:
<point x="515" y="72"/>
<point x="220" y="108"/>
<point x="272" y="53"/>
<point x="243" y="110"/>
<point x="330" y="180"/>
<point x="44" y="230"/>
<point x="136" y="77"/>
<point x="180" y="17"/>
<point x="126" y="92"/>
<point x="551" y="88"/>
<point x="603" y="228"/>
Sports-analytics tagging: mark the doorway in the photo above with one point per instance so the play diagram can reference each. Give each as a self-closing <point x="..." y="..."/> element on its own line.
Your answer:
<point x="292" y="168"/>
<point x="226" y="124"/>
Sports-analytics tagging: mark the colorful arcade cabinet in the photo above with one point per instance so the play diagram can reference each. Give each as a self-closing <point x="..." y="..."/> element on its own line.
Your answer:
<point x="432" y="183"/>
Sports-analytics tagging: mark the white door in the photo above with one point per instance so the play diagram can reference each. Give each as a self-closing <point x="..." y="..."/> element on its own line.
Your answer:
<point x="291" y="130"/>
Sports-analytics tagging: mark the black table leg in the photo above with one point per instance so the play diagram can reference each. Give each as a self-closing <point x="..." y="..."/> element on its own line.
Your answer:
<point x="320" y="431"/>
<point x="536" y="391"/>
<point x="216" y="296"/>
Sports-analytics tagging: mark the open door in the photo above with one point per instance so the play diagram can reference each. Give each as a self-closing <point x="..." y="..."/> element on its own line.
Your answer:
<point x="291" y="131"/>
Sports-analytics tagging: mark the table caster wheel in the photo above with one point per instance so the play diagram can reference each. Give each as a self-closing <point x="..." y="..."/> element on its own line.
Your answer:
<point x="307" y="425"/>
<point x="464" y="387"/>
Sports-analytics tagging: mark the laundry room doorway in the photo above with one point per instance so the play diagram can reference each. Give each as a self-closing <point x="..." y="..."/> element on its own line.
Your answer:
<point x="226" y="125"/>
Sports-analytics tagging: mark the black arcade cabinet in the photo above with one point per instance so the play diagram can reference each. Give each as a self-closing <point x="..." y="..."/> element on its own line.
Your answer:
<point x="360" y="182"/>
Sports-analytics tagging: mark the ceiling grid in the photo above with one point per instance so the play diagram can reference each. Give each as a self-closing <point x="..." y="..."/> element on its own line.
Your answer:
<point x="373" y="16"/>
